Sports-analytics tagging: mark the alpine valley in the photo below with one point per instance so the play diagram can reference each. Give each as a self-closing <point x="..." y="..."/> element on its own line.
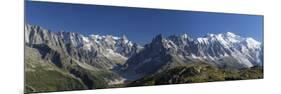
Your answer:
<point x="57" y="61"/>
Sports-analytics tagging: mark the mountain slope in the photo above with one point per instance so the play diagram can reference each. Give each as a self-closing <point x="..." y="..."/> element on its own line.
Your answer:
<point x="81" y="62"/>
<point x="100" y="51"/>
<point x="40" y="75"/>
<point x="195" y="73"/>
<point x="227" y="51"/>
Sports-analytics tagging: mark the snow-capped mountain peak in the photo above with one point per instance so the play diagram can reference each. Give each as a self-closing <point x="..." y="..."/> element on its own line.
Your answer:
<point x="226" y="50"/>
<point x="252" y="43"/>
<point x="210" y="35"/>
<point x="185" y="36"/>
<point x="230" y="34"/>
<point x="92" y="48"/>
<point x="95" y="36"/>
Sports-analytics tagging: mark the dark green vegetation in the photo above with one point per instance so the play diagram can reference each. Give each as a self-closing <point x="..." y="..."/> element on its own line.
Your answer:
<point x="198" y="72"/>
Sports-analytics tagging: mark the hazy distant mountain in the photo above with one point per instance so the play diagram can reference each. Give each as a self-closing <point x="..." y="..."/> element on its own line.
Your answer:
<point x="96" y="61"/>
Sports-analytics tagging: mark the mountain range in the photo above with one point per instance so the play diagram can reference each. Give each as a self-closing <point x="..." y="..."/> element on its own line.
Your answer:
<point x="103" y="61"/>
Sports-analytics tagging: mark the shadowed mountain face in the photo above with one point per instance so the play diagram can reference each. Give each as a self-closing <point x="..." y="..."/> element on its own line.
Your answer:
<point x="95" y="61"/>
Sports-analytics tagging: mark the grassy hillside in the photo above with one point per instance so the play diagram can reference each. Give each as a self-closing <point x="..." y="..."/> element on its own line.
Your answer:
<point x="45" y="81"/>
<point x="43" y="76"/>
<point x="196" y="73"/>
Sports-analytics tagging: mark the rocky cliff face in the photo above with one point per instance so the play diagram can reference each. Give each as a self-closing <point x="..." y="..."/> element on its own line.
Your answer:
<point x="103" y="52"/>
<point x="225" y="50"/>
<point x="87" y="61"/>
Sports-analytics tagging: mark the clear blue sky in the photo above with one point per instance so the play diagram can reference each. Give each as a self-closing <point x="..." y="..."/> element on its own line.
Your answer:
<point x="139" y="24"/>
